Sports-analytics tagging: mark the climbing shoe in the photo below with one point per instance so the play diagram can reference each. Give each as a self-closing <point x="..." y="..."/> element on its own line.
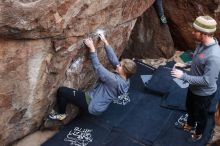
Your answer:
<point x="163" y="19"/>
<point x="194" y="137"/>
<point x="187" y="128"/>
<point x="56" y="116"/>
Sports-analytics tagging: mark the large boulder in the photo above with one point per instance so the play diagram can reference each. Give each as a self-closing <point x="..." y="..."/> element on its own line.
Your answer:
<point x="149" y="38"/>
<point x="182" y="13"/>
<point x="41" y="49"/>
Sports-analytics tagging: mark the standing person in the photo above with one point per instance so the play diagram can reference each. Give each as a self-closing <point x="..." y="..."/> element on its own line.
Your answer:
<point x="158" y="4"/>
<point x="202" y="78"/>
<point x="110" y="86"/>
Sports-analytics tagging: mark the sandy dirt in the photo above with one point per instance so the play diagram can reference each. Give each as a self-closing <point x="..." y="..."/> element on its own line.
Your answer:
<point x="36" y="139"/>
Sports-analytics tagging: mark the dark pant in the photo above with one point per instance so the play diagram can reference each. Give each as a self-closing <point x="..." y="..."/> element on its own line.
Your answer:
<point x="67" y="95"/>
<point x="158" y="4"/>
<point x="197" y="109"/>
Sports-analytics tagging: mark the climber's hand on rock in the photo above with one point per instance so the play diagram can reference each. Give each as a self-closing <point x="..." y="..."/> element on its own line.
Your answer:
<point x="102" y="37"/>
<point x="89" y="43"/>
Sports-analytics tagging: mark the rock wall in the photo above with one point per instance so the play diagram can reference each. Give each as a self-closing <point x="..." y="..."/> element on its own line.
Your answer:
<point x="41" y="49"/>
<point x="182" y="13"/>
<point x="149" y="38"/>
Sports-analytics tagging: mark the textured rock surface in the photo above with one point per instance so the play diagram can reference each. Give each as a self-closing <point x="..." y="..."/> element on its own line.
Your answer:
<point x="182" y="13"/>
<point x="150" y="38"/>
<point x="47" y="18"/>
<point x="41" y="49"/>
<point x="23" y="99"/>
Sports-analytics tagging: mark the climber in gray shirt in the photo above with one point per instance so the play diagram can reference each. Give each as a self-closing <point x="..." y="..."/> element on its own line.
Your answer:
<point x="110" y="86"/>
<point x="205" y="68"/>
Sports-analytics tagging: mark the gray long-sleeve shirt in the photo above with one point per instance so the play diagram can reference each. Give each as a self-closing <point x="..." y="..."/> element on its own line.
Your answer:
<point x="205" y="68"/>
<point x="110" y="86"/>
